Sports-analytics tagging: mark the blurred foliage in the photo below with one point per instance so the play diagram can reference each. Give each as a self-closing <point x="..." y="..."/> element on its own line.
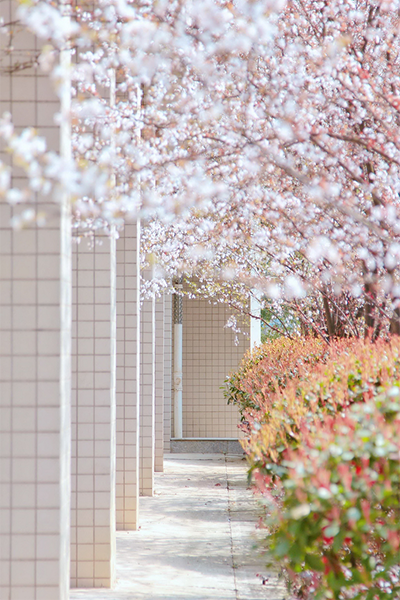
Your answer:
<point x="322" y="425"/>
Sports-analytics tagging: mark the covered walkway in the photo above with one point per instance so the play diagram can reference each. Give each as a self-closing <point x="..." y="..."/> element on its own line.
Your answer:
<point x="196" y="538"/>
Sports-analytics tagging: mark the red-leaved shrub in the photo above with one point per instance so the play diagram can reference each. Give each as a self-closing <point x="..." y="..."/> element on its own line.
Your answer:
<point x="322" y="439"/>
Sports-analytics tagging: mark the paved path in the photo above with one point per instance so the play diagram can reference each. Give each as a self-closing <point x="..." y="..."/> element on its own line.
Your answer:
<point x="196" y="538"/>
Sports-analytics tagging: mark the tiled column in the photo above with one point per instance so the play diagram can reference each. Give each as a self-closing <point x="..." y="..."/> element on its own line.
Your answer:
<point x="128" y="370"/>
<point x="147" y="397"/>
<point x="159" y="385"/>
<point x="167" y="371"/>
<point x="93" y="416"/>
<point x="34" y="409"/>
<point x="35" y="329"/>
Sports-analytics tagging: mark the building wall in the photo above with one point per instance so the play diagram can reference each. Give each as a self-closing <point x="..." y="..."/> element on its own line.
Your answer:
<point x="209" y="356"/>
<point x="35" y="338"/>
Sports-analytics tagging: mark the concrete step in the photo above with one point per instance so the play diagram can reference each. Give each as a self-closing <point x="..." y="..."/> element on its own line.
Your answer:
<point x="206" y="446"/>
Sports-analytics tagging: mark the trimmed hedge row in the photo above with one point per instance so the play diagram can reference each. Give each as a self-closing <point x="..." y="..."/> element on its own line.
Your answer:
<point x="323" y="444"/>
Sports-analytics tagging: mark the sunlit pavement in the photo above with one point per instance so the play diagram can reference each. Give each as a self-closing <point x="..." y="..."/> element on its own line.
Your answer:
<point x="196" y="538"/>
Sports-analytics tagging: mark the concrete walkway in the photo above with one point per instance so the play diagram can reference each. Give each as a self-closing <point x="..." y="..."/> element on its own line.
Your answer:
<point x="196" y="538"/>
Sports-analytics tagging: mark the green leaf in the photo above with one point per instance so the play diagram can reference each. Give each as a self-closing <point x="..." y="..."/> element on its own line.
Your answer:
<point x="296" y="553"/>
<point x="353" y="514"/>
<point x="282" y="547"/>
<point x="356" y="576"/>
<point x="332" y="530"/>
<point x="314" y="562"/>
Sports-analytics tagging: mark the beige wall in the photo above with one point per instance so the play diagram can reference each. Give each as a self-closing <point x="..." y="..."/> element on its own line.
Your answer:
<point x="209" y="355"/>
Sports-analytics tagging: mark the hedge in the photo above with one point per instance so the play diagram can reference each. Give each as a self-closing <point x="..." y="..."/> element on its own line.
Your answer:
<point x="322" y="431"/>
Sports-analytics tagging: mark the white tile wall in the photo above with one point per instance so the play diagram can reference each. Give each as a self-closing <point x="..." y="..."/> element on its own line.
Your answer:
<point x="159" y="385"/>
<point x="209" y="355"/>
<point x="147" y="398"/>
<point x="93" y="413"/>
<point x="34" y="360"/>
<point x="167" y="371"/>
<point x="128" y="371"/>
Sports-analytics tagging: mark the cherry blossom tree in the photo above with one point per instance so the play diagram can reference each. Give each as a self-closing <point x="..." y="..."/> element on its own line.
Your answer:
<point x="258" y="142"/>
<point x="307" y="148"/>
